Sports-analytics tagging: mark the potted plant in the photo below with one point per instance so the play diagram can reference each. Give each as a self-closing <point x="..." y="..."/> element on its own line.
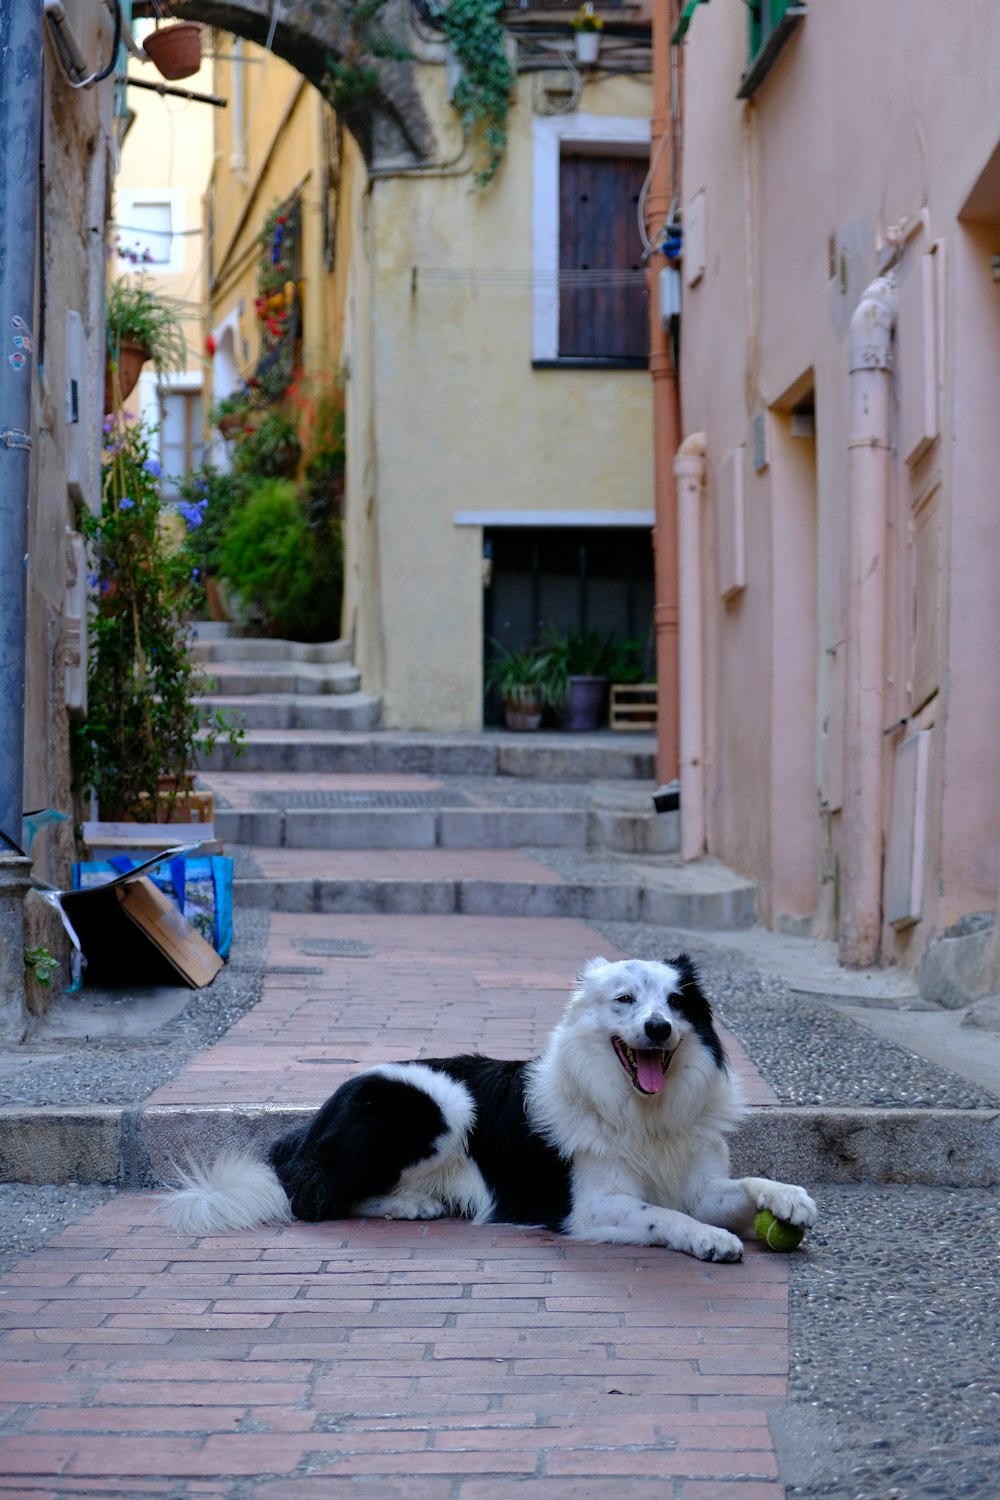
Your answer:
<point x="143" y="728"/>
<point x="229" y="414"/>
<point x="577" y="675"/>
<point x="587" y="28"/>
<point x="269" y="446"/>
<point x="633" y="690"/>
<point x="141" y="326"/>
<point x="518" y="678"/>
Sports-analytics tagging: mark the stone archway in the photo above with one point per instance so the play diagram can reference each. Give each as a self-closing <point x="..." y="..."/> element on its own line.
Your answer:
<point x="388" y="121"/>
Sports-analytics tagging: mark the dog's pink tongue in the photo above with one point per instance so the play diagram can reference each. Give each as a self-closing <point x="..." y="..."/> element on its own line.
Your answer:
<point x="649" y="1071"/>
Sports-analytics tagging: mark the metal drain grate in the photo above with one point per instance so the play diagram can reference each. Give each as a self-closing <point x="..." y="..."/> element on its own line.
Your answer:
<point x="334" y="948"/>
<point x="334" y="800"/>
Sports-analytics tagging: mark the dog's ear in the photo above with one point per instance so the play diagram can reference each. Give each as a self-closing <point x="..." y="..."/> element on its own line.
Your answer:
<point x="591" y="967"/>
<point x="686" y="968"/>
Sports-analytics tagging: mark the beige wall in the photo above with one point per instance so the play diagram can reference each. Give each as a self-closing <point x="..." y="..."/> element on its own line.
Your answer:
<point x="463" y="422"/>
<point x="870" y="118"/>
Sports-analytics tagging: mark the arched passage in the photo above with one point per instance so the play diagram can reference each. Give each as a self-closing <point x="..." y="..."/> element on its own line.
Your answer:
<point x="388" y="121"/>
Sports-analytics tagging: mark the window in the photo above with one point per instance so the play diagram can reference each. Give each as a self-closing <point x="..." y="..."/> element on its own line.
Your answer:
<point x="771" y="24"/>
<point x="181" y="437"/>
<point x="589" y="303"/>
<point x="150" y="227"/>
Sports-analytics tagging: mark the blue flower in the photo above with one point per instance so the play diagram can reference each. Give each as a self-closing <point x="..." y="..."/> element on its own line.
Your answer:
<point x="126" y="504"/>
<point x="152" y="466"/>
<point x="193" y="512"/>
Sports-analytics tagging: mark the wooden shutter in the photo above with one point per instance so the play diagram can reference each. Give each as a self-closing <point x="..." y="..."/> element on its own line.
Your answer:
<point x="599" y="231"/>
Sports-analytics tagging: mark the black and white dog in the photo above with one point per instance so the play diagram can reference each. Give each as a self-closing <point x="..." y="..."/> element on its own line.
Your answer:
<point x="616" y="1133"/>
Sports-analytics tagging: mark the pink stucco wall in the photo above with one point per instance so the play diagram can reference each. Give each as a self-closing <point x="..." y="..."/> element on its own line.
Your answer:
<point x="873" y="116"/>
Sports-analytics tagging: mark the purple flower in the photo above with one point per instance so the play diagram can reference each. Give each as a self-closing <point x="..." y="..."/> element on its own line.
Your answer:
<point x="125" y="503"/>
<point x="195" y="573"/>
<point x="152" y="466"/>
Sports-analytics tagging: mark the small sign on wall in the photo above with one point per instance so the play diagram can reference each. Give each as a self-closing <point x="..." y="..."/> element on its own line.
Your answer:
<point x="731" y="525"/>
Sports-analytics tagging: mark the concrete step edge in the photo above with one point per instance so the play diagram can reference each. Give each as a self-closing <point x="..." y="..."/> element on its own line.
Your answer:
<point x="137" y="1147"/>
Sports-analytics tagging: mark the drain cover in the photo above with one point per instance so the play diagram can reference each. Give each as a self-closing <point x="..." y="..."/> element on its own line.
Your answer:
<point x="334" y="948"/>
<point x="363" y="799"/>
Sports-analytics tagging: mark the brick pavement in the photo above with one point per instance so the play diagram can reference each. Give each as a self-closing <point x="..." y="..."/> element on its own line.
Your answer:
<point x="434" y="1361"/>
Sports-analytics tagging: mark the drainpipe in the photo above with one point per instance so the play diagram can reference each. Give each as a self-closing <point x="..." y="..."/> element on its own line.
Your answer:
<point x="868" y="479"/>
<point x="666" y="417"/>
<point x="20" y="131"/>
<point x="689" y="473"/>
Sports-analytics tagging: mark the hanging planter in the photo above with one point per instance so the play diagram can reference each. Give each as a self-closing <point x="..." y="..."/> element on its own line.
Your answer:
<point x="175" y="50"/>
<point x="131" y="358"/>
<point x="588" y="47"/>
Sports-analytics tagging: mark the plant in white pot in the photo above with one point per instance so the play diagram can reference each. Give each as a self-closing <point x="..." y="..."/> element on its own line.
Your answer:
<point x="587" y="28"/>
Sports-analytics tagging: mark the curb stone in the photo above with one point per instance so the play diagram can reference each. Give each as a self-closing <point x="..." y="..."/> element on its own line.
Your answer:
<point x="138" y="1147"/>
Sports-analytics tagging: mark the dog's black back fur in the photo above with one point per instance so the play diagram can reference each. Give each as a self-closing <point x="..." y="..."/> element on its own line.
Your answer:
<point x="358" y="1143"/>
<point x="521" y="1170"/>
<point x="374" y="1127"/>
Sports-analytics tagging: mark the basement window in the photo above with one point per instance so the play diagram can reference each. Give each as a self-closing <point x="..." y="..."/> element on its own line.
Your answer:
<point x="771" y="24"/>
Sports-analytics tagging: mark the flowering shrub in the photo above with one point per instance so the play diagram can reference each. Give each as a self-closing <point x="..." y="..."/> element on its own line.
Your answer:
<point x="142" y="722"/>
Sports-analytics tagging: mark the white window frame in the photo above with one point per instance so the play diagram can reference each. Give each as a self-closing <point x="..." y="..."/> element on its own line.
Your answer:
<point x="550" y="134"/>
<point x="125" y="200"/>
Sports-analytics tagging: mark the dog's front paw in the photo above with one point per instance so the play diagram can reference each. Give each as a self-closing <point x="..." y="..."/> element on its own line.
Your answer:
<point x="709" y="1243"/>
<point x="791" y="1204"/>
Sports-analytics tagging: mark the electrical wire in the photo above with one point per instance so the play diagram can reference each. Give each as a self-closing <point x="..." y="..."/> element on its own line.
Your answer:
<point x="58" y="44"/>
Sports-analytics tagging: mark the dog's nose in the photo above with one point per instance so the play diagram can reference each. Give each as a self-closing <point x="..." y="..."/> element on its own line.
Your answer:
<point x="658" y="1030"/>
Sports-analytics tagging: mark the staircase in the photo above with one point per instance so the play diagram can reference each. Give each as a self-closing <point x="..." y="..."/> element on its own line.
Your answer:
<point x="325" y="812"/>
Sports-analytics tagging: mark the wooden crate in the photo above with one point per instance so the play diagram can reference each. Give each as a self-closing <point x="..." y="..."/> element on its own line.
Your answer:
<point x="633" y="705"/>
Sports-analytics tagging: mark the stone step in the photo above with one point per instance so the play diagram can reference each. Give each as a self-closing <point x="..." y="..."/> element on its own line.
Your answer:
<point x="555" y="756"/>
<point x="227" y="679"/>
<point x="495" y="882"/>
<point x="139" y="1147"/>
<point x="355" y="711"/>
<point x="416" y="812"/>
<point x="210" y="647"/>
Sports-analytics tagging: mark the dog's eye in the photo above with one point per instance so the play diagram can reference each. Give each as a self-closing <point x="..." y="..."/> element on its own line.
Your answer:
<point x="624" y="999"/>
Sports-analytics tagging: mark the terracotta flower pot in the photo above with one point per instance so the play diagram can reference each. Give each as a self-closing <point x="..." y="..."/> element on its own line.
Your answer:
<point x="131" y="358"/>
<point x="175" y="50"/>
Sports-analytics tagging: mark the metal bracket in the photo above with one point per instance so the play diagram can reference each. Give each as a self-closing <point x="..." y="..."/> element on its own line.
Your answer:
<point x="14" y="437"/>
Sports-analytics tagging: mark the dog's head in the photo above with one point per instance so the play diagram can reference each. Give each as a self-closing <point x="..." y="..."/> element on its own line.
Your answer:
<point x="646" y="1013"/>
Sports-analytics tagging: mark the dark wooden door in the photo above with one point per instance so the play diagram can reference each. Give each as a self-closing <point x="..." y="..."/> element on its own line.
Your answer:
<point x="601" y="317"/>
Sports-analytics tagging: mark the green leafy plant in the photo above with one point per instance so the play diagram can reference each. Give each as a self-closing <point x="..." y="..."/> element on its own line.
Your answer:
<point x="39" y="961"/>
<point x="142" y="723"/>
<point x="586" y="20"/>
<point x="484" y="89"/>
<point x="214" y="494"/>
<point x="285" y="564"/>
<point x="517" y="676"/>
<point x="629" y="661"/>
<point x="135" y="313"/>
<point x="269" y="445"/>
<point x="579" y="653"/>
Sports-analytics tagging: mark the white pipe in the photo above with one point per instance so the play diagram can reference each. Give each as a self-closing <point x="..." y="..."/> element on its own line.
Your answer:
<point x="689" y="472"/>
<point x="868" y="478"/>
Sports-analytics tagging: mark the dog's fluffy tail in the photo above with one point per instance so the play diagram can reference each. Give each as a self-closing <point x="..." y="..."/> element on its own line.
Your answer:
<point x="235" y="1192"/>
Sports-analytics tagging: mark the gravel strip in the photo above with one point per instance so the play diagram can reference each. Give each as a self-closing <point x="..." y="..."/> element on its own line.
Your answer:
<point x="31" y="1215"/>
<point x="809" y="1053"/>
<point x="895" y="1372"/>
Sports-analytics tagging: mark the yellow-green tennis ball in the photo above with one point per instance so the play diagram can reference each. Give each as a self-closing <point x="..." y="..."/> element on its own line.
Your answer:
<point x="775" y="1233"/>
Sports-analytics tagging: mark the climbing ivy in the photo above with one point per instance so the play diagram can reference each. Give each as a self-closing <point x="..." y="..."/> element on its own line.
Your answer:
<point x="483" y="92"/>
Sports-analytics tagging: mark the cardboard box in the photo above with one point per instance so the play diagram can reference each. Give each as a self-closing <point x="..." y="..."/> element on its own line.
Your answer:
<point x="129" y="931"/>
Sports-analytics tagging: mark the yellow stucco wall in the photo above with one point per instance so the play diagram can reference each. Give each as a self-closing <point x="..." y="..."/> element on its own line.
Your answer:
<point x="462" y="420"/>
